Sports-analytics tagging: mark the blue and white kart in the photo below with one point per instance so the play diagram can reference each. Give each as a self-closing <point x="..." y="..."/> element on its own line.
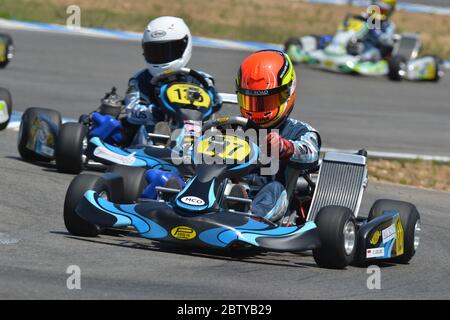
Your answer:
<point x="5" y="108"/>
<point x="200" y="212"/>
<point x="91" y="141"/>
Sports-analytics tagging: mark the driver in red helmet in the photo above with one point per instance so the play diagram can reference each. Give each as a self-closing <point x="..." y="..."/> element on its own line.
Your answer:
<point x="266" y="89"/>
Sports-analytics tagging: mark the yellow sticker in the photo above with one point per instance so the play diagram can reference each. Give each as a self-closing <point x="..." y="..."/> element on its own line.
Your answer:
<point x="225" y="147"/>
<point x="2" y="52"/>
<point x="188" y="94"/>
<point x="222" y="119"/>
<point x="329" y="63"/>
<point x="375" y="237"/>
<point x="3" y="106"/>
<point x="183" y="233"/>
<point x="399" y="241"/>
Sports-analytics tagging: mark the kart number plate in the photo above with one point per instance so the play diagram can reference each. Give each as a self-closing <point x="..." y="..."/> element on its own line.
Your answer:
<point x="225" y="147"/>
<point x="188" y="94"/>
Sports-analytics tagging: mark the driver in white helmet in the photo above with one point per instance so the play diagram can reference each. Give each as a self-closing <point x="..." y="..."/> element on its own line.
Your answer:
<point x="167" y="47"/>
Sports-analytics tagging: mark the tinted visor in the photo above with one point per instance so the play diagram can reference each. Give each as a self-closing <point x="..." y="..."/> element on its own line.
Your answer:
<point x="263" y="100"/>
<point x="164" y="52"/>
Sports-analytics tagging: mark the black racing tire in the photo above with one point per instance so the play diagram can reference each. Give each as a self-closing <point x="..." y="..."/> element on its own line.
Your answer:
<point x="80" y="184"/>
<point x="6" y="97"/>
<point x="8" y="43"/>
<point x="134" y="181"/>
<point x="69" y="148"/>
<point x="396" y="65"/>
<point x="331" y="221"/>
<point x="409" y="216"/>
<point x="25" y="129"/>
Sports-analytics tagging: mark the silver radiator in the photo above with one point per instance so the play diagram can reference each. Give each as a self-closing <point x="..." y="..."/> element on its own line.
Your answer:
<point x="341" y="182"/>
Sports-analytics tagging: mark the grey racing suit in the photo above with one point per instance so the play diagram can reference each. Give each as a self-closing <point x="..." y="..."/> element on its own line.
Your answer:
<point x="271" y="199"/>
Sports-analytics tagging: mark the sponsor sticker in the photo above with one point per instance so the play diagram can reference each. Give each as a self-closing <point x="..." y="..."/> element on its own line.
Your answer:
<point x="158" y="34"/>
<point x="389" y="233"/>
<point x="375" y="253"/>
<point x="3" y="112"/>
<point x="183" y="233"/>
<point x="104" y="153"/>
<point x="193" y="201"/>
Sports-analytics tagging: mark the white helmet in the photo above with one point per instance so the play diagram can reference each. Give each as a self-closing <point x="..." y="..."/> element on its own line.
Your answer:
<point x="167" y="45"/>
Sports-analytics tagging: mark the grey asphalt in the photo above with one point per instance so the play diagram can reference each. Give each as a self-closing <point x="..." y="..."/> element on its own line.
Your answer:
<point x="71" y="73"/>
<point x="441" y="3"/>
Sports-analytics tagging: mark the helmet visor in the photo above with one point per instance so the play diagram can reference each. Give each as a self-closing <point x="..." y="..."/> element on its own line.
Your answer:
<point x="164" y="51"/>
<point x="263" y="100"/>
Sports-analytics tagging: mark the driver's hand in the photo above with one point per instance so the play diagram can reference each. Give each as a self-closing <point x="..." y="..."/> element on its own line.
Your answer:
<point x="276" y="143"/>
<point x="138" y="113"/>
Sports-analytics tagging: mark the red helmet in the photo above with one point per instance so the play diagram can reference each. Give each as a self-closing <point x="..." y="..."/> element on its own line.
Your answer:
<point x="266" y="88"/>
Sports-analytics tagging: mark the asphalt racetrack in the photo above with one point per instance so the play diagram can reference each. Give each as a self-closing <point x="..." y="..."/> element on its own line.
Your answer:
<point x="71" y="73"/>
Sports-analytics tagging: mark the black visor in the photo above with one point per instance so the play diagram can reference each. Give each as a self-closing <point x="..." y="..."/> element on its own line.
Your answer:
<point x="164" y="51"/>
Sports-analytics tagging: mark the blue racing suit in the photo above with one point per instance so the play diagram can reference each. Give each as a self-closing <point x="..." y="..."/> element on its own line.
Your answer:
<point x="377" y="40"/>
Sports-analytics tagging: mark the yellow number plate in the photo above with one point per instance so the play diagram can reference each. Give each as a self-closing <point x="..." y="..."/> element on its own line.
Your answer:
<point x="188" y="94"/>
<point x="225" y="147"/>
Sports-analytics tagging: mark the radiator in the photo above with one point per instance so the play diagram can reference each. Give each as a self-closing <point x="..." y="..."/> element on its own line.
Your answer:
<point x="341" y="182"/>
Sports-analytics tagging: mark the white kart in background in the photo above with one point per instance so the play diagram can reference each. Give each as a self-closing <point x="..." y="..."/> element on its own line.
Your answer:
<point x="342" y="53"/>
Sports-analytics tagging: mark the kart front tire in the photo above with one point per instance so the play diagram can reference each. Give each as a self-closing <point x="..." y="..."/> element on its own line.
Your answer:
<point x="134" y="181"/>
<point x="69" y="148"/>
<point x="25" y="130"/>
<point x="80" y="184"/>
<point x="397" y="65"/>
<point x="6" y="97"/>
<point x="337" y="250"/>
<point x="410" y="219"/>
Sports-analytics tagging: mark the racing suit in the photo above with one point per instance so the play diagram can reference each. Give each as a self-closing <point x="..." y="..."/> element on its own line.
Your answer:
<point x="140" y="98"/>
<point x="141" y="112"/>
<point x="379" y="41"/>
<point x="271" y="199"/>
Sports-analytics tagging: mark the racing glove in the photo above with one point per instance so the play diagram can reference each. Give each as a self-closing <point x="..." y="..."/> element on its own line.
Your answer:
<point x="276" y="142"/>
<point x="138" y="113"/>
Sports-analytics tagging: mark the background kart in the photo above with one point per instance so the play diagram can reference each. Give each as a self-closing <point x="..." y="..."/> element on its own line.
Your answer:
<point x="5" y="108"/>
<point x="43" y="137"/>
<point x="200" y="213"/>
<point x="6" y="50"/>
<point x="342" y="53"/>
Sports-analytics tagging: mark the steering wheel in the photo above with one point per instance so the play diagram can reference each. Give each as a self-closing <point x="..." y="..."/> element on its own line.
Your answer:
<point x="224" y="122"/>
<point x="182" y="72"/>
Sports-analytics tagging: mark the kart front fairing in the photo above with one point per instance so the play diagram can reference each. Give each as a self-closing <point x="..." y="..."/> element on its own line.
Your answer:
<point x="218" y="229"/>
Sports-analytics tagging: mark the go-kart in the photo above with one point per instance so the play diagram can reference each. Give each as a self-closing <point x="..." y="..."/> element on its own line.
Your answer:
<point x="322" y="214"/>
<point x="343" y="53"/>
<point x="6" y="50"/>
<point x="5" y="108"/>
<point x="42" y="136"/>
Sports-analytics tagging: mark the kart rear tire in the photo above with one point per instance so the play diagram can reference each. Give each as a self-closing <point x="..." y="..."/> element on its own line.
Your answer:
<point x="69" y="148"/>
<point x="79" y="185"/>
<point x="25" y="128"/>
<point x="134" y="181"/>
<point x="331" y="222"/>
<point x="8" y="43"/>
<point x="409" y="217"/>
<point x="396" y="65"/>
<point x="6" y="97"/>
